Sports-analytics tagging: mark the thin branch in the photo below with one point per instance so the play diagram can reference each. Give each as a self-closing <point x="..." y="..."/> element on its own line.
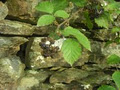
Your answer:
<point x="67" y="20"/>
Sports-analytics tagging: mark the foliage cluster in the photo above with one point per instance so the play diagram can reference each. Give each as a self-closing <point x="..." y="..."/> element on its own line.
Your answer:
<point x="100" y="13"/>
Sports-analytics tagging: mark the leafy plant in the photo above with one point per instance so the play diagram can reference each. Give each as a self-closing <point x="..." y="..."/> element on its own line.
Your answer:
<point x="60" y="13"/>
<point x="113" y="59"/>
<point x="71" y="47"/>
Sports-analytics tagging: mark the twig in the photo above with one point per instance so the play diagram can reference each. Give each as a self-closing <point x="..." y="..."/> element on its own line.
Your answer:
<point x="67" y="20"/>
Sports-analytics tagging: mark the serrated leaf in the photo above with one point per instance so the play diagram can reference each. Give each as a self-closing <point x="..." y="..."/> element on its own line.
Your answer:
<point x="45" y="6"/>
<point x="113" y="59"/>
<point x="112" y="6"/>
<point x="102" y="21"/>
<point x="115" y="29"/>
<point x="83" y="40"/>
<point x="59" y="4"/>
<point x="116" y="78"/>
<point x="71" y="50"/>
<point x="45" y="20"/>
<point x="80" y="3"/>
<point x="106" y="87"/>
<point x="61" y="13"/>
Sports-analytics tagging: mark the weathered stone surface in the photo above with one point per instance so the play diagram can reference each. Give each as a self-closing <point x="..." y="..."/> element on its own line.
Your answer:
<point x="35" y="59"/>
<point x="96" y="78"/>
<point x="60" y="86"/>
<point x="69" y="75"/>
<point x="11" y="69"/>
<point x="10" y="45"/>
<point x="15" y="28"/>
<point x="32" y="79"/>
<point x="111" y="49"/>
<point x="23" y="9"/>
<point x="3" y="11"/>
<point x="103" y="34"/>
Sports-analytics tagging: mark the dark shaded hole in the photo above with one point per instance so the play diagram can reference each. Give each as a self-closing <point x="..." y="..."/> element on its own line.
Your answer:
<point x="3" y="1"/>
<point x="47" y="79"/>
<point x="21" y="52"/>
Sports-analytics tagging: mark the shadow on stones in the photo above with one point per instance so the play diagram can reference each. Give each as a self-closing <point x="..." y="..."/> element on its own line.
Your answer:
<point x="3" y="1"/>
<point x="21" y="52"/>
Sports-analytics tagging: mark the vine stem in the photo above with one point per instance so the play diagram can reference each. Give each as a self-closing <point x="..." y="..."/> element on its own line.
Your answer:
<point x="67" y="20"/>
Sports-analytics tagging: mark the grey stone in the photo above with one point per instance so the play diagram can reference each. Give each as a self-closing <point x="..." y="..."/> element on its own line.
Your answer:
<point x="8" y="27"/>
<point x="23" y="10"/>
<point x="11" y="69"/>
<point x="68" y="75"/>
<point x="10" y="45"/>
<point x="32" y="79"/>
<point x="3" y="11"/>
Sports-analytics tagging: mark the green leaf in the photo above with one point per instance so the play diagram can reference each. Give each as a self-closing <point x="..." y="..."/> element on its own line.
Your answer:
<point x="115" y="29"/>
<point x="116" y="78"/>
<point x="80" y="3"/>
<point x="54" y="36"/>
<point x="112" y="6"/>
<point x="83" y="40"/>
<point x="103" y="21"/>
<point x="59" y="4"/>
<point x="45" y="20"/>
<point x="71" y="50"/>
<point x="106" y="87"/>
<point x="113" y="59"/>
<point x="87" y="20"/>
<point x="45" y="6"/>
<point x="61" y="13"/>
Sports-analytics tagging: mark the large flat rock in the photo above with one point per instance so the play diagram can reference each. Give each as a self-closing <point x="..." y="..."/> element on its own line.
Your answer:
<point x="11" y="69"/>
<point x="23" y="10"/>
<point x="8" y="27"/>
<point x="35" y="59"/>
<point x="10" y="45"/>
<point x="3" y="11"/>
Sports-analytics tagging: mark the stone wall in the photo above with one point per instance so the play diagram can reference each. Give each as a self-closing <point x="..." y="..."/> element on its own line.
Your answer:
<point x="26" y="65"/>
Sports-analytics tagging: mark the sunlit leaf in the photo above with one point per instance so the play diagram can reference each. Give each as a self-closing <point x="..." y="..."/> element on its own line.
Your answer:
<point x="45" y="6"/>
<point x="71" y="50"/>
<point x="45" y="20"/>
<point x="61" y="13"/>
<point x="115" y="29"/>
<point x="83" y="40"/>
<point x="59" y="4"/>
<point x="80" y="3"/>
<point x="113" y="59"/>
<point x="116" y="78"/>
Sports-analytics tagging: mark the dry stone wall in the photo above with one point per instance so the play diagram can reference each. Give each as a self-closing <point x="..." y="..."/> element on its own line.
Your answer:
<point x="25" y="65"/>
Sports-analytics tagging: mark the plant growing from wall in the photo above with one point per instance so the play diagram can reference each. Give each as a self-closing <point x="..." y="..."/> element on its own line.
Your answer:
<point x="60" y="13"/>
<point x="113" y="59"/>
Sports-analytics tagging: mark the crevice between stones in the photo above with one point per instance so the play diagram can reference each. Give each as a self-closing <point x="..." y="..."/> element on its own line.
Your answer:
<point x="3" y="1"/>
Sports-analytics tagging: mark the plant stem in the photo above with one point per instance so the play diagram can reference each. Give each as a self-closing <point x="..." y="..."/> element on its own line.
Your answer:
<point x="68" y="19"/>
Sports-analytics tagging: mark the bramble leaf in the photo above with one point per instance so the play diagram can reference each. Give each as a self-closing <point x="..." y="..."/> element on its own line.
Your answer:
<point x="115" y="29"/>
<point x="61" y="13"/>
<point x="80" y="3"/>
<point x="106" y="87"/>
<point x="45" y="20"/>
<point x="113" y="59"/>
<point x="59" y="4"/>
<point x="83" y="40"/>
<point x="103" y="20"/>
<point x="116" y="78"/>
<point x="71" y="50"/>
<point x="45" y="6"/>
